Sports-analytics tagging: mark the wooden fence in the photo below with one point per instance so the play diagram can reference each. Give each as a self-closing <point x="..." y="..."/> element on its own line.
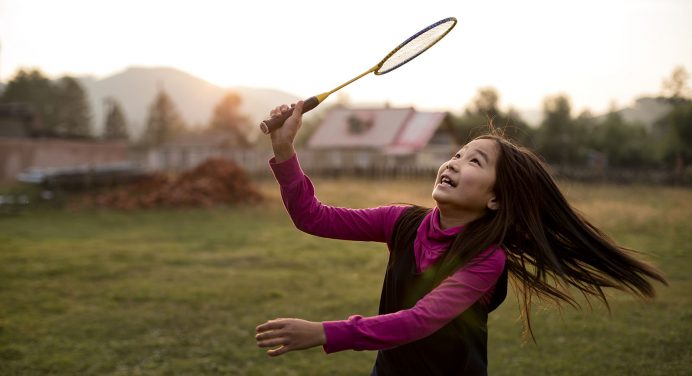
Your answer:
<point x="350" y="164"/>
<point x="19" y="155"/>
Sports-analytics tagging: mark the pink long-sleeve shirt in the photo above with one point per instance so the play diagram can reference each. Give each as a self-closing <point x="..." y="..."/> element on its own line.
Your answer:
<point x="473" y="282"/>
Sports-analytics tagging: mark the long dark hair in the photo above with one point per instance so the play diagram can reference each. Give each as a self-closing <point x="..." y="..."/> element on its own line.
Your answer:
<point x="549" y="245"/>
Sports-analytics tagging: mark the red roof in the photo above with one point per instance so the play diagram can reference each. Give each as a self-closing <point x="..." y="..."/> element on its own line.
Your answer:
<point x="393" y="130"/>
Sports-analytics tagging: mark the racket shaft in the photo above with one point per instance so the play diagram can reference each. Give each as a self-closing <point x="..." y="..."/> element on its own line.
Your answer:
<point x="274" y="123"/>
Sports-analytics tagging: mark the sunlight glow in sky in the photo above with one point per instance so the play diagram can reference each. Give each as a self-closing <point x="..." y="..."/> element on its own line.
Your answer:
<point x="596" y="51"/>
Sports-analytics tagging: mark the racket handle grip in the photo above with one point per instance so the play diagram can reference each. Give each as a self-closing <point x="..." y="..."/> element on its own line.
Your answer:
<point x="270" y="125"/>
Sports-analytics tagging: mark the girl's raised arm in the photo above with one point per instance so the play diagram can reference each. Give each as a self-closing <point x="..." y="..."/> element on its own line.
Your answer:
<point x="306" y="211"/>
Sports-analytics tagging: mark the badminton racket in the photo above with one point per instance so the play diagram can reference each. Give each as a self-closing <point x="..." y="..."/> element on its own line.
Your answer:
<point x="402" y="54"/>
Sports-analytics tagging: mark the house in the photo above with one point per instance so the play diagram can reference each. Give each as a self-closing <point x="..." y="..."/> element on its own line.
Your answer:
<point x="381" y="140"/>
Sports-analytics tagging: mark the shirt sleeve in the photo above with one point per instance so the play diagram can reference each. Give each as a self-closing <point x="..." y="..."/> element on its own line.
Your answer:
<point x="447" y="301"/>
<point x="311" y="216"/>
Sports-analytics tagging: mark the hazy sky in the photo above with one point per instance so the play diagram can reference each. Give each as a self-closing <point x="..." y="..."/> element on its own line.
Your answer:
<point x="596" y="51"/>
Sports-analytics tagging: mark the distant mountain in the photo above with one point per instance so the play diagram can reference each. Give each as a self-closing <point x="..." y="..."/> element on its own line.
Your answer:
<point x="136" y="87"/>
<point x="646" y="110"/>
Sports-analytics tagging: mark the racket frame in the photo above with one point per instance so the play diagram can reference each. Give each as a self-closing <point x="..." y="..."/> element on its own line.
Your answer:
<point x="269" y="125"/>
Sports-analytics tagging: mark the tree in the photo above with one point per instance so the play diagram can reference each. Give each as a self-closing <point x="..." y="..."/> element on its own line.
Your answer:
<point x="486" y="102"/>
<point x="676" y="126"/>
<point x="677" y="129"/>
<point x="35" y="89"/>
<point x="624" y="144"/>
<point x="484" y="111"/>
<point x="675" y="87"/>
<point x="115" y="127"/>
<point x="164" y="121"/>
<point x="73" y="113"/>
<point x="227" y="117"/>
<point x="515" y="128"/>
<point x="558" y="140"/>
<point x="62" y="108"/>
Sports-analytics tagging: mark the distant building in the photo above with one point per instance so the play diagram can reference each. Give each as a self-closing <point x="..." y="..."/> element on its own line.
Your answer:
<point x="190" y="149"/>
<point x="381" y="140"/>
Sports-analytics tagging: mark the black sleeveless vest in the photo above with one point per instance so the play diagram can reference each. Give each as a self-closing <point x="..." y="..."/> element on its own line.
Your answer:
<point x="458" y="348"/>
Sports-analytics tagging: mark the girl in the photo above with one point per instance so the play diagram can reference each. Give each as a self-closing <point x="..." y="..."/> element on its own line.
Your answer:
<point x="498" y="213"/>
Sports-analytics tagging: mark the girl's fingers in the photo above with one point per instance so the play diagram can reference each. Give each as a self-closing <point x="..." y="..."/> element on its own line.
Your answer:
<point x="278" y="351"/>
<point x="289" y="334"/>
<point x="270" y="325"/>
<point x="278" y="110"/>
<point x="269" y="334"/>
<point x="273" y="342"/>
<point x="298" y="110"/>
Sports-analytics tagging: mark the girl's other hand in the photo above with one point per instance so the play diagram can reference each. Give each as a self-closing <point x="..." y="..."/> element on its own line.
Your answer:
<point x="285" y="335"/>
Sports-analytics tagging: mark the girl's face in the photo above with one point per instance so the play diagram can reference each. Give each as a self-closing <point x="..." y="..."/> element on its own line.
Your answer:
<point x="464" y="184"/>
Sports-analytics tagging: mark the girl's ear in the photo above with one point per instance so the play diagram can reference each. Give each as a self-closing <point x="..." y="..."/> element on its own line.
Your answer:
<point x="492" y="204"/>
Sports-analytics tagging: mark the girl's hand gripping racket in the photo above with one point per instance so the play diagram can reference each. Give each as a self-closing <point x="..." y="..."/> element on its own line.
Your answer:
<point x="402" y="54"/>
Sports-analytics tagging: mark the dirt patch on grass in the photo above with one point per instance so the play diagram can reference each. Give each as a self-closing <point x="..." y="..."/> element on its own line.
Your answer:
<point x="215" y="181"/>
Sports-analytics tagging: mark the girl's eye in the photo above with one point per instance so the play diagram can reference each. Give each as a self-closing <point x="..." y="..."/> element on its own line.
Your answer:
<point x="456" y="156"/>
<point x="475" y="160"/>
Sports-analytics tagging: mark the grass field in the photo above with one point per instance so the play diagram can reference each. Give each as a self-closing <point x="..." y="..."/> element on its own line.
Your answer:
<point x="179" y="292"/>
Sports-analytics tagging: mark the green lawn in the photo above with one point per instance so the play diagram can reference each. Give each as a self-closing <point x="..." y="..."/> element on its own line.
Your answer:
<point x="168" y="292"/>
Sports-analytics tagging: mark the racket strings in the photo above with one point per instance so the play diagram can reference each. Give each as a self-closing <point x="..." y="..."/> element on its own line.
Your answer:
<point x="415" y="46"/>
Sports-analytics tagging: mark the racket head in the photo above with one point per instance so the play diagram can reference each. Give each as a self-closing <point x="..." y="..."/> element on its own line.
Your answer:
<point x="415" y="45"/>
